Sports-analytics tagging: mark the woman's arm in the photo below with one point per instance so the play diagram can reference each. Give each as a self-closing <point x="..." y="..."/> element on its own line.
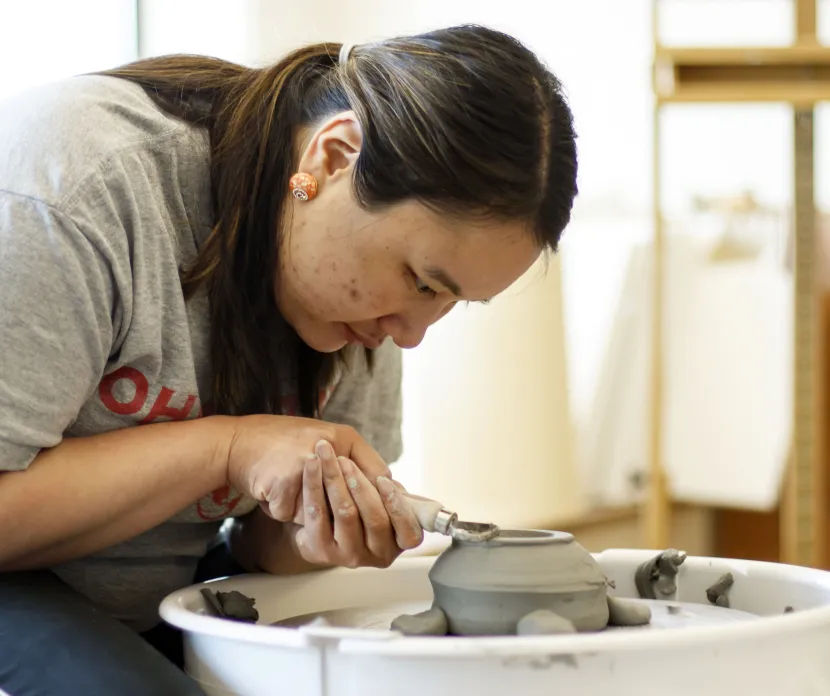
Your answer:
<point x="89" y="493"/>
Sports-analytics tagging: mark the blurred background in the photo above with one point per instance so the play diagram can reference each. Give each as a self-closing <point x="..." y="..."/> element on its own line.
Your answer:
<point x="661" y="380"/>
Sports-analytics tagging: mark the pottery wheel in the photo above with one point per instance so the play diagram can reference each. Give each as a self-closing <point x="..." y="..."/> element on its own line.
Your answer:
<point x="374" y="618"/>
<point x="664" y="615"/>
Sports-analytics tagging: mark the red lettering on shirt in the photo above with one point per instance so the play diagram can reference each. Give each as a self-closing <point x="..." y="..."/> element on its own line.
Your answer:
<point x="107" y="385"/>
<point x="225" y="500"/>
<point x="161" y="407"/>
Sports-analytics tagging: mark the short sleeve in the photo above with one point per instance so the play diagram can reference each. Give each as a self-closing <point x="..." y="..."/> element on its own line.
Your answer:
<point x="371" y="403"/>
<point x="56" y="329"/>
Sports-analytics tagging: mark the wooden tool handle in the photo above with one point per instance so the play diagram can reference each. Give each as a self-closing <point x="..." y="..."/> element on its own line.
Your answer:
<point x="425" y="509"/>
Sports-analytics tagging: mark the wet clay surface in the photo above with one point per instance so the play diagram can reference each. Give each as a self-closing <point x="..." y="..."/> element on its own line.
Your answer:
<point x="522" y="581"/>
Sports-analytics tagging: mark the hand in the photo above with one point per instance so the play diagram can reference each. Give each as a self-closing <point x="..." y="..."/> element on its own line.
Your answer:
<point x="348" y="521"/>
<point x="266" y="456"/>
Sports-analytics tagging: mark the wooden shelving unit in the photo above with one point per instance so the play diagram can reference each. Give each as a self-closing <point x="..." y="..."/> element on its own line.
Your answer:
<point x="798" y="75"/>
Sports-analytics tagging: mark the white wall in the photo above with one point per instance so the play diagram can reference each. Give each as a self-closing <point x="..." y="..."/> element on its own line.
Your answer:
<point x="45" y="40"/>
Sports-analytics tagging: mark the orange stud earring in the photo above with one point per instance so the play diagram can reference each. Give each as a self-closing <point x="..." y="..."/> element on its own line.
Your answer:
<point x="303" y="186"/>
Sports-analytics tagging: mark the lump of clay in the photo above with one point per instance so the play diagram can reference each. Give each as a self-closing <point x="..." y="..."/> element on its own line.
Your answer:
<point x="527" y="582"/>
<point x="625" y="613"/>
<point x="656" y="578"/>
<point x="432" y="622"/>
<point x="718" y="594"/>
<point x="232" y="605"/>
<point x="543" y="623"/>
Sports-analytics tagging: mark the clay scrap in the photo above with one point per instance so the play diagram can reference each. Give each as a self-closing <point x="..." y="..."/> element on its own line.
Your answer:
<point x="718" y="594"/>
<point x="432" y="622"/>
<point x="656" y="578"/>
<point x="231" y="605"/>
<point x="522" y="582"/>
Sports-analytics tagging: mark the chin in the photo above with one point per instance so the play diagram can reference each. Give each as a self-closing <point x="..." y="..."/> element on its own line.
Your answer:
<point x="322" y="340"/>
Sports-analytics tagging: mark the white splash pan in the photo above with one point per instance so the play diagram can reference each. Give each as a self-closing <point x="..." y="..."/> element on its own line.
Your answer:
<point x="776" y="654"/>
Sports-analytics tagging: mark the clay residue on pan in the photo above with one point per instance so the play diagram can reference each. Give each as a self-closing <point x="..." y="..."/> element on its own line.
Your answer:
<point x="231" y="605"/>
<point x="718" y="594"/>
<point x="656" y="578"/>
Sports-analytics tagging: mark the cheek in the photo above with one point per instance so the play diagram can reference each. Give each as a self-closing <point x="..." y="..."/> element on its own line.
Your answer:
<point x="342" y="284"/>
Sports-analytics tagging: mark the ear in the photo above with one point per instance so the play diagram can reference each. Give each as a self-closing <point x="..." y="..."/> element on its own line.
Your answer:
<point x="333" y="148"/>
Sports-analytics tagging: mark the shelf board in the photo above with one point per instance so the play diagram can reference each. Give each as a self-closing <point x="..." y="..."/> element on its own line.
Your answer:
<point x="798" y="74"/>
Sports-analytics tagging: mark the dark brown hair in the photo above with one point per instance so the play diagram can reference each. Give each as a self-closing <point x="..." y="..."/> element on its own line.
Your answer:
<point x="466" y="120"/>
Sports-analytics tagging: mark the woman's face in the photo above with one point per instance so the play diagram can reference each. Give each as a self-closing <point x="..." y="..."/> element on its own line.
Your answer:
<point x="351" y="276"/>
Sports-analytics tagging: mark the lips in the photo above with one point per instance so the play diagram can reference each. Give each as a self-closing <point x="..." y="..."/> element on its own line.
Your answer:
<point x="356" y="336"/>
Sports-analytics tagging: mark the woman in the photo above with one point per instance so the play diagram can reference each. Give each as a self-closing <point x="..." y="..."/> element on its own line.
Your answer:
<point x="184" y="237"/>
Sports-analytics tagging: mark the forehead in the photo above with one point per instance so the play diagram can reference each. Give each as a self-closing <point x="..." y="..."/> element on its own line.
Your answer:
<point x="484" y="257"/>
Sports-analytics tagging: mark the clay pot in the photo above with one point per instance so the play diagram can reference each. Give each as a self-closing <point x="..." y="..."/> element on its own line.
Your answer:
<point x="485" y="588"/>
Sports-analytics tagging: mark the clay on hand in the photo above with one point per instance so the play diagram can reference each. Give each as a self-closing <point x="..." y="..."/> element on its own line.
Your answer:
<point x="656" y="578"/>
<point x="231" y="605"/>
<point x="718" y="594"/>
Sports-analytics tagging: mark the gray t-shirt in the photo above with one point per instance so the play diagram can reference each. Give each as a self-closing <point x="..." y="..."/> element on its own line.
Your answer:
<point x="103" y="197"/>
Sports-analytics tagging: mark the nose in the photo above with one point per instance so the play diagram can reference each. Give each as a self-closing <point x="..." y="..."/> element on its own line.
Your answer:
<point x="408" y="329"/>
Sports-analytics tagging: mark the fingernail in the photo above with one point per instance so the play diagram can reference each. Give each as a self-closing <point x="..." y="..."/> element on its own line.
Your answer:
<point x="324" y="450"/>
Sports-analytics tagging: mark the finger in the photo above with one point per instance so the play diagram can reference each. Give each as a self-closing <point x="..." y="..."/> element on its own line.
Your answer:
<point x="348" y="529"/>
<point x="316" y="536"/>
<point x="378" y="533"/>
<point x="408" y="531"/>
<point x="368" y="460"/>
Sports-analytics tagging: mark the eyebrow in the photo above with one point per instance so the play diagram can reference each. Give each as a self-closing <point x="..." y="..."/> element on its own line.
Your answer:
<point x="443" y="277"/>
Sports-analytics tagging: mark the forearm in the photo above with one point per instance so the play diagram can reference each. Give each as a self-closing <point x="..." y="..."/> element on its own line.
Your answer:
<point x="261" y="544"/>
<point x="90" y="493"/>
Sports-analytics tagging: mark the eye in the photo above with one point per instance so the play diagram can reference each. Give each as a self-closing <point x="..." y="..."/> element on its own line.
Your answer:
<point x="422" y="288"/>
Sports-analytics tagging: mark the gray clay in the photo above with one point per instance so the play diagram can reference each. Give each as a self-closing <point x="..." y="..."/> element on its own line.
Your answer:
<point x="432" y="622"/>
<point x="492" y="587"/>
<point x="543" y="623"/>
<point x="625" y="613"/>
<point x="656" y="578"/>
<point x="232" y="605"/>
<point x="213" y="603"/>
<point x="718" y="594"/>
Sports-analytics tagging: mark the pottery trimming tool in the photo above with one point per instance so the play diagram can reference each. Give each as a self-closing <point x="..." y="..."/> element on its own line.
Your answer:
<point x="434" y="517"/>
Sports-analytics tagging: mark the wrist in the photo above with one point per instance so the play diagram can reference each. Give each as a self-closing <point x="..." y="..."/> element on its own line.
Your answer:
<point x="218" y="433"/>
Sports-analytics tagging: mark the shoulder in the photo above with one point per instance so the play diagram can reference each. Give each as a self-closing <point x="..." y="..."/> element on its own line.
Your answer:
<point x="56" y="137"/>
